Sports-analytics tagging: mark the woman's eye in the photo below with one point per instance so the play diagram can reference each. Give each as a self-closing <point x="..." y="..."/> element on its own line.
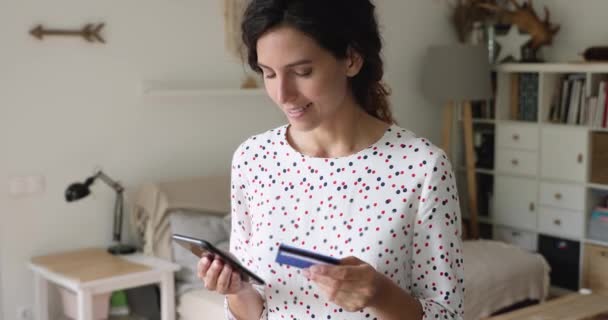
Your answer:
<point x="269" y="75"/>
<point x="304" y="73"/>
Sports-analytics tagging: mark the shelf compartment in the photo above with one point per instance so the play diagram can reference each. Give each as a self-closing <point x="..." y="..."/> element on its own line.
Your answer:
<point x="599" y="158"/>
<point x="518" y="96"/>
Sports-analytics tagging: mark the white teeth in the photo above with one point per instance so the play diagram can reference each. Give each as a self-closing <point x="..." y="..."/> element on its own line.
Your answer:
<point x="298" y="110"/>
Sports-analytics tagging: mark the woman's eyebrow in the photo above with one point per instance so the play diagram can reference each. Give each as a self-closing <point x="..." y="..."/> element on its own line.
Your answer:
<point x="289" y="65"/>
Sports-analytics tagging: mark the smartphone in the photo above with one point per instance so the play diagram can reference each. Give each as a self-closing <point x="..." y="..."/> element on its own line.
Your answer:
<point x="202" y="248"/>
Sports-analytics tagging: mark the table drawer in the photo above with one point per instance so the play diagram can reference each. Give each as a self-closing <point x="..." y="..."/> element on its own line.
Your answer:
<point x="561" y="222"/>
<point x="516" y="161"/>
<point x="595" y="270"/>
<point x="519" y="136"/>
<point x="523" y="239"/>
<point x="564" y="196"/>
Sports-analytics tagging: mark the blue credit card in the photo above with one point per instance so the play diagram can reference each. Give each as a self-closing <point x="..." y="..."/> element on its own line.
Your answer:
<point x="301" y="258"/>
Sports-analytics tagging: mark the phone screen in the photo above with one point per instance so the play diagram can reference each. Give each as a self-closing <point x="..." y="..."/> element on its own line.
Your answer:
<point x="201" y="248"/>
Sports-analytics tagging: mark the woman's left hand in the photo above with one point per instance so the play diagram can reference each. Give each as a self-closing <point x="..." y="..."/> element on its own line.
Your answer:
<point x="353" y="284"/>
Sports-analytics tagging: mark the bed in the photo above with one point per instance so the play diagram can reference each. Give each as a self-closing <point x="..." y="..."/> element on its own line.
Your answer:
<point x="497" y="275"/>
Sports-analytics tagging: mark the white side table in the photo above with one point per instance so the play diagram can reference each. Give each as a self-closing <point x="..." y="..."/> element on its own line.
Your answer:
<point x="88" y="272"/>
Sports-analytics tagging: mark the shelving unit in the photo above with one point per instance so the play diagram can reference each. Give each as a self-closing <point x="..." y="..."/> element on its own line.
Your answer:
<point x="542" y="193"/>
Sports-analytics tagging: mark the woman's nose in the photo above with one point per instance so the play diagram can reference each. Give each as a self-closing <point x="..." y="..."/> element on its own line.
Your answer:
<point x="285" y="91"/>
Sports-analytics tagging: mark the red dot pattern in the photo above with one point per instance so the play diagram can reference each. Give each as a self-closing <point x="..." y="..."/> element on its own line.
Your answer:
<point x="393" y="205"/>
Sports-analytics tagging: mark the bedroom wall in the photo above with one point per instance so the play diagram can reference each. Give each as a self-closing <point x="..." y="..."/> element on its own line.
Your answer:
<point x="583" y="24"/>
<point x="67" y="107"/>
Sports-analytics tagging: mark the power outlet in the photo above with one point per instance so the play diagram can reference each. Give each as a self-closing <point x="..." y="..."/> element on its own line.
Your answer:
<point x="25" y="313"/>
<point x="28" y="185"/>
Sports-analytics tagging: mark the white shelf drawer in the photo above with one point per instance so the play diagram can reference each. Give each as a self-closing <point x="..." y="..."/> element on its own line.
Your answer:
<point x="515" y="203"/>
<point x="563" y="196"/>
<point x="523" y="239"/>
<point x="519" y="136"/>
<point x="561" y="222"/>
<point x="516" y="161"/>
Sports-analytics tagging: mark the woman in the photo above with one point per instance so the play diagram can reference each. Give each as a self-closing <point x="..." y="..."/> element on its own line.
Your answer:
<point x="340" y="179"/>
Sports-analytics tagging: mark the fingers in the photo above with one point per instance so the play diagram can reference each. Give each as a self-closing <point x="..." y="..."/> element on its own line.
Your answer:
<point x="213" y="274"/>
<point x="340" y="272"/>
<point x="235" y="282"/>
<point x="223" y="280"/>
<point x="351" y="261"/>
<point x="202" y="267"/>
<point x="218" y="276"/>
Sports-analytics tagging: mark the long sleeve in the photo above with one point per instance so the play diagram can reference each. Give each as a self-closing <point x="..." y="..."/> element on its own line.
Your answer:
<point x="437" y="260"/>
<point x="241" y="222"/>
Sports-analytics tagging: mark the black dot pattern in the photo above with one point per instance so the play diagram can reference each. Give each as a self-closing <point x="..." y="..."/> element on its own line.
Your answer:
<point x="393" y="205"/>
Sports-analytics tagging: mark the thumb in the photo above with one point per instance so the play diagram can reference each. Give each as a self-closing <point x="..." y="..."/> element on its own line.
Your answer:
<point x="351" y="261"/>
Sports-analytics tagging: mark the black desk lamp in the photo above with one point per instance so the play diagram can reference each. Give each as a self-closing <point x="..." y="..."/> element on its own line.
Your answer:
<point x="77" y="191"/>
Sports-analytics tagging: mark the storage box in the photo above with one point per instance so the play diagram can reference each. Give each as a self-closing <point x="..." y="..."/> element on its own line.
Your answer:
<point x="598" y="225"/>
<point x="563" y="257"/>
<point x="599" y="157"/>
<point x="101" y="304"/>
<point x="595" y="273"/>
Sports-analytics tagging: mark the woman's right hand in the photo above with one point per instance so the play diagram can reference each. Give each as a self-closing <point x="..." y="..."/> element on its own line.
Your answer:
<point x="220" y="277"/>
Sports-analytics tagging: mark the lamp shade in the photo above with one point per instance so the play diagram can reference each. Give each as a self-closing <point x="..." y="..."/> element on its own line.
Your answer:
<point x="456" y="72"/>
<point x="77" y="190"/>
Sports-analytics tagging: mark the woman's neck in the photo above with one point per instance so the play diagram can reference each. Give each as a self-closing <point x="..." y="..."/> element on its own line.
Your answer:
<point x="353" y="132"/>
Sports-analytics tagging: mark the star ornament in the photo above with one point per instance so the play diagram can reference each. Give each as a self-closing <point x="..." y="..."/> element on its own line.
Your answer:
<point x="511" y="44"/>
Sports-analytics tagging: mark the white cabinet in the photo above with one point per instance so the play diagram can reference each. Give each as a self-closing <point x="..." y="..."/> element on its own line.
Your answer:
<point x="564" y="153"/>
<point x="515" y="202"/>
<point x="542" y="162"/>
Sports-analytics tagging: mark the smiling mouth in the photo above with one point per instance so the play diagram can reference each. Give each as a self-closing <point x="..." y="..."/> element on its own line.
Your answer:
<point x="298" y="111"/>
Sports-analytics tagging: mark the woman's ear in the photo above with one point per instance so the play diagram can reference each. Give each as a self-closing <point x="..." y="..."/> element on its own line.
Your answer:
<point x="354" y="62"/>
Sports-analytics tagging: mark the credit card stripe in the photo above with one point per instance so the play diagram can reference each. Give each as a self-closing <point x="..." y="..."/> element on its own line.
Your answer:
<point x="304" y="253"/>
<point x="303" y="258"/>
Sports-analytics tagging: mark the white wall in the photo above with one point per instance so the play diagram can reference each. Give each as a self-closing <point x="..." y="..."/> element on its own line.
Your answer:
<point x="67" y="106"/>
<point x="583" y="24"/>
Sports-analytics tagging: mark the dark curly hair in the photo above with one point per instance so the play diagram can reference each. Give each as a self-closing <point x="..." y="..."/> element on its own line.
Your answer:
<point x="337" y="26"/>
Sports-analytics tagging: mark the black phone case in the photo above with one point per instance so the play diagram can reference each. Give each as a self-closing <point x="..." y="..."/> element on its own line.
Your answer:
<point x="199" y="246"/>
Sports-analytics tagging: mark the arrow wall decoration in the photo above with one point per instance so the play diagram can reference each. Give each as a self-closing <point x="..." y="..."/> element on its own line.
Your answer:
<point x="90" y="32"/>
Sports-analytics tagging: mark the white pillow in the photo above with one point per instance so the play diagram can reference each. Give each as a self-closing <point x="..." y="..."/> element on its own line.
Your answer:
<point x="210" y="227"/>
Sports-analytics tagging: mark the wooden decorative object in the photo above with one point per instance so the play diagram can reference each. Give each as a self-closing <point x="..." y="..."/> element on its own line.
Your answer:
<point x="249" y="83"/>
<point x="526" y="19"/>
<point x="89" y="32"/>
<point x="233" y="13"/>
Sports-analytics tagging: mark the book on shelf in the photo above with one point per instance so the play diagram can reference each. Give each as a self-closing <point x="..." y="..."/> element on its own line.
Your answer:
<point x="528" y="96"/>
<point x="599" y="107"/>
<point x="570" y="103"/>
<point x="590" y="110"/>
<point x="566" y="91"/>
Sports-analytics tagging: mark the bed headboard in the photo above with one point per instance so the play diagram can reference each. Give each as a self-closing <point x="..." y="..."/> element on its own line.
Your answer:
<point x="155" y="200"/>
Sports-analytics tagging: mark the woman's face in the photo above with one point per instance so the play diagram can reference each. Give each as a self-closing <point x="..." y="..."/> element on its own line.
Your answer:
<point x="306" y="81"/>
